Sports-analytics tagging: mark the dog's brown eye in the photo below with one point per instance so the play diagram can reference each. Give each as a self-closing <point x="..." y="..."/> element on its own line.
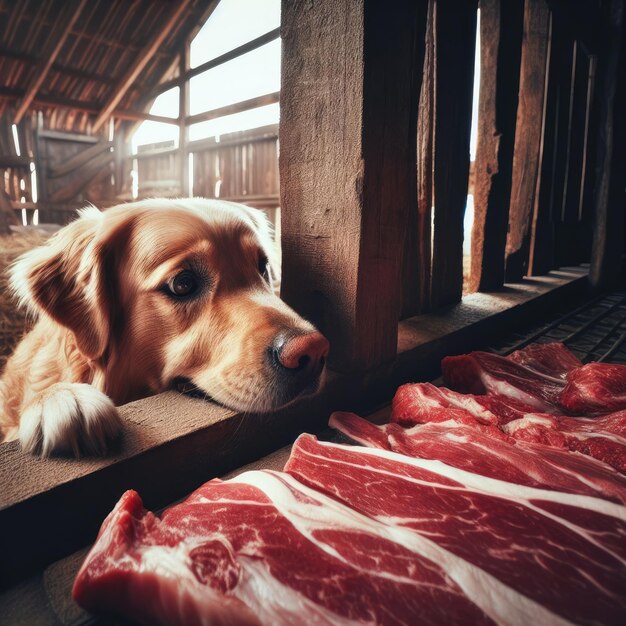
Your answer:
<point x="264" y="269"/>
<point x="183" y="284"/>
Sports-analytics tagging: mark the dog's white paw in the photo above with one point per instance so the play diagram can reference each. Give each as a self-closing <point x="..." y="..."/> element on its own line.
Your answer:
<point x="69" y="418"/>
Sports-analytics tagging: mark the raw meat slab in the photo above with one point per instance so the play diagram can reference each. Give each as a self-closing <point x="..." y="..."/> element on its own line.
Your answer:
<point x="525" y="555"/>
<point x="264" y="549"/>
<point x="475" y="449"/>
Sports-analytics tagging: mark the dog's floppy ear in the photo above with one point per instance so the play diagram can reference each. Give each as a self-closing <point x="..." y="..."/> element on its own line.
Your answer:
<point x="65" y="279"/>
<point x="263" y="230"/>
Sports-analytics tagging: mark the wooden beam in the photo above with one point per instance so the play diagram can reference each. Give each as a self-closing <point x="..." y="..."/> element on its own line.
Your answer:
<point x="527" y="136"/>
<point x="501" y="24"/>
<point x="455" y="43"/>
<point x="610" y="130"/>
<point x="237" y="107"/>
<point x="64" y="25"/>
<point x="183" y="114"/>
<point x="30" y="59"/>
<point x="142" y="59"/>
<point x="235" y="53"/>
<point x="416" y="261"/>
<point x="551" y="155"/>
<point x="9" y="93"/>
<point x="347" y="169"/>
<point x="12" y="160"/>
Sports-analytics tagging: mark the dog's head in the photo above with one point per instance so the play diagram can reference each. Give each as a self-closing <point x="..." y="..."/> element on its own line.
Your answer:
<point x="160" y="291"/>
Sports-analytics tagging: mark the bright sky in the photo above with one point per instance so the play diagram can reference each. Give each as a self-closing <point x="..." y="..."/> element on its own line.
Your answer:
<point x="234" y="22"/>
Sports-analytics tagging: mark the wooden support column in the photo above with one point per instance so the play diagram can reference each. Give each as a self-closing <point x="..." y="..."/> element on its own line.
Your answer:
<point x="183" y="113"/>
<point x="546" y="213"/>
<point x="58" y="35"/>
<point x="417" y="248"/>
<point x="501" y="24"/>
<point x="140" y="62"/>
<point x="455" y="44"/>
<point x="610" y="128"/>
<point x="347" y="164"/>
<point x="527" y="136"/>
<point x="572" y="243"/>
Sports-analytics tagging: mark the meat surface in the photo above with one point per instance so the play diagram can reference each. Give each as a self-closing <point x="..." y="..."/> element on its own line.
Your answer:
<point x="486" y="451"/>
<point x="263" y="548"/>
<point x="486" y="373"/>
<point x="595" y="388"/>
<point x="546" y="377"/>
<point x="603" y="438"/>
<point x="522" y="554"/>
<point x="553" y="359"/>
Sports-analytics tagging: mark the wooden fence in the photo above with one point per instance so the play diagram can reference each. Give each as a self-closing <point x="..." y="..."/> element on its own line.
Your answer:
<point x="374" y="180"/>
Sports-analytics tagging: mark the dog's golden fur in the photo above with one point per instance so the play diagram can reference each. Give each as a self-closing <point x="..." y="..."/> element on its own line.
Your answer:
<point x="110" y="330"/>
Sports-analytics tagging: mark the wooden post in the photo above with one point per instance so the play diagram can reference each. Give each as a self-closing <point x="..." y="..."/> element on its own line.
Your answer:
<point x="501" y="23"/>
<point x="527" y="136"/>
<point x="347" y="166"/>
<point x="610" y="129"/>
<point x="552" y="150"/>
<point x="571" y="237"/>
<point x="455" y="44"/>
<point x="416" y="262"/>
<point x="183" y="112"/>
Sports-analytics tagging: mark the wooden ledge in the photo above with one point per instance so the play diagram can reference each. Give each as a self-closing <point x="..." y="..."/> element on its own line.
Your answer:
<point x="172" y="443"/>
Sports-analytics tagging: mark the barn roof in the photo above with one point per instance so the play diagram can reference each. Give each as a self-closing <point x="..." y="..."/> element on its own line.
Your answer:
<point x="80" y="61"/>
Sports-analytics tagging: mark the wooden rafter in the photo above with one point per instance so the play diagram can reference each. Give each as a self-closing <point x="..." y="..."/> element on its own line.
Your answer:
<point x="48" y="60"/>
<point x="142" y="59"/>
<point x="7" y="93"/>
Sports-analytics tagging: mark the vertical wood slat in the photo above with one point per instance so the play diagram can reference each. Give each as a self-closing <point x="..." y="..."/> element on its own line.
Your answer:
<point x="501" y="24"/>
<point x="610" y="130"/>
<point x="527" y="136"/>
<point x="573" y="239"/>
<point x="346" y="168"/>
<point x="455" y="42"/>
<point x="416" y="262"/>
<point x="183" y="112"/>
<point x="552" y="151"/>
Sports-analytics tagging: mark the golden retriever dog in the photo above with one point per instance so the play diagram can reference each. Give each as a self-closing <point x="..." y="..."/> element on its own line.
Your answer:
<point x="133" y="300"/>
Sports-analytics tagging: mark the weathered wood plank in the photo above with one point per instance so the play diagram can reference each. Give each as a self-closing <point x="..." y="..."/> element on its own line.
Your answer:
<point x="183" y="113"/>
<point x="573" y="236"/>
<point x="610" y="130"/>
<point x="417" y="248"/>
<point x="552" y="150"/>
<point x="237" y="107"/>
<point x="455" y="43"/>
<point x="80" y="159"/>
<point x="347" y="165"/>
<point x="527" y="136"/>
<point x="501" y="23"/>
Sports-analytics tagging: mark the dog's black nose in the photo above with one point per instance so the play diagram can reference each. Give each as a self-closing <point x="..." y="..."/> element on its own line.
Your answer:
<point x="300" y="355"/>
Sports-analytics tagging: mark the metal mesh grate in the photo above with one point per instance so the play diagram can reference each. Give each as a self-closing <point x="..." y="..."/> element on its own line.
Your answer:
<point x="595" y="331"/>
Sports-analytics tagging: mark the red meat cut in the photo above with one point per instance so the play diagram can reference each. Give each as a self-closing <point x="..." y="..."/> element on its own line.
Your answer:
<point x="524" y="555"/>
<point x="553" y="359"/>
<point x="486" y="451"/>
<point x="603" y="438"/>
<point x="264" y="549"/>
<point x="324" y="543"/>
<point x="486" y="373"/>
<point x="546" y="377"/>
<point x="595" y="388"/>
